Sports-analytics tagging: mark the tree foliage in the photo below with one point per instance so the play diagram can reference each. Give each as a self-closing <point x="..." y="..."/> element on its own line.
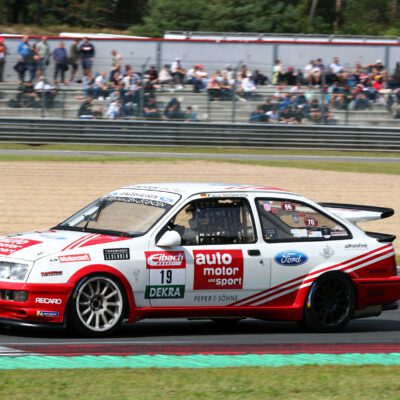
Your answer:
<point x="154" y="17"/>
<point x="361" y="17"/>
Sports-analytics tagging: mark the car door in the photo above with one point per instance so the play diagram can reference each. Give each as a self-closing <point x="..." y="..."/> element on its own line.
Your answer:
<point x="298" y="238"/>
<point x="219" y="260"/>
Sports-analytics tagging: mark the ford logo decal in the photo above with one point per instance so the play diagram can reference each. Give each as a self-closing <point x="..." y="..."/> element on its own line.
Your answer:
<point x="291" y="258"/>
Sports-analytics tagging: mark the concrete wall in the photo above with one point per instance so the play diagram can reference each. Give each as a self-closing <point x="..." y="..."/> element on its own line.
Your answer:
<point x="216" y="54"/>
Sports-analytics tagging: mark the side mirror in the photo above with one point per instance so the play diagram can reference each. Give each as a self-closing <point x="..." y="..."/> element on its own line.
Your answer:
<point x="170" y="239"/>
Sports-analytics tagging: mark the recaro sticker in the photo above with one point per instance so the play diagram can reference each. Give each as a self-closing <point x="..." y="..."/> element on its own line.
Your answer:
<point x="291" y="258"/>
<point x="218" y="269"/>
<point x="12" y="245"/>
<point x="167" y="274"/>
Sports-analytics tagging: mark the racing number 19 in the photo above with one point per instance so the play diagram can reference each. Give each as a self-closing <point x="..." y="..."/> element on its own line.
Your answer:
<point x="166" y="276"/>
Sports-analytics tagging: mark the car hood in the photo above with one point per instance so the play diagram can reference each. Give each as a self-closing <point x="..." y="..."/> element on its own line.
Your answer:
<point x="31" y="246"/>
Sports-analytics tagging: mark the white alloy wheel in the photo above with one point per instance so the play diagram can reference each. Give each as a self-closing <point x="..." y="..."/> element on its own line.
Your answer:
<point x="99" y="305"/>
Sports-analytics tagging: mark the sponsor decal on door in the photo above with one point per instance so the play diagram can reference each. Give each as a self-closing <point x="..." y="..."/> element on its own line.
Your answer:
<point x="167" y="274"/>
<point x="218" y="269"/>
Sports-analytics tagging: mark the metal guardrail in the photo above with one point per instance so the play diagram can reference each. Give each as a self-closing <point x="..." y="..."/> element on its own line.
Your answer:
<point x="160" y="133"/>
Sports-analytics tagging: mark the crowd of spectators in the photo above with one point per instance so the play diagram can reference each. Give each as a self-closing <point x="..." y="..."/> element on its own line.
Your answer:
<point x="339" y="87"/>
<point x="130" y="93"/>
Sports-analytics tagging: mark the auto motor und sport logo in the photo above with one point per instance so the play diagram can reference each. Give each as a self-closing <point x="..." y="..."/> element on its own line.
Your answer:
<point x="74" y="258"/>
<point x="218" y="269"/>
<point x="291" y="258"/>
<point x="12" y="245"/>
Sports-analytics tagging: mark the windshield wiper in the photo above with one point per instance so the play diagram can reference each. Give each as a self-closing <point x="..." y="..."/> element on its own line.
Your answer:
<point x="96" y="217"/>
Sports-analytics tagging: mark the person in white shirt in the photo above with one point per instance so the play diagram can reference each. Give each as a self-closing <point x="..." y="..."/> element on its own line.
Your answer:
<point x="178" y="73"/>
<point x="335" y="67"/>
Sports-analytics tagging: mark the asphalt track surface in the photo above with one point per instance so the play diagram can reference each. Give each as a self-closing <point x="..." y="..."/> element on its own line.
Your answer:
<point x="210" y="156"/>
<point x="179" y="336"/>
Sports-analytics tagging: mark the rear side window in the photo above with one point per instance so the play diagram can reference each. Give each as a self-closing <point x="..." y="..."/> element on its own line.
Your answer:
<point x="287" y="220"/>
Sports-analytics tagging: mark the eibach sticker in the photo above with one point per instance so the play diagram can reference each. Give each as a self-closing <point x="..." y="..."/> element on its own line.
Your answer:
<point x="218" y="269"/>
<point x="288" y="206"/>
<point x="166" y="273"/>
<point x="11" y="245"/>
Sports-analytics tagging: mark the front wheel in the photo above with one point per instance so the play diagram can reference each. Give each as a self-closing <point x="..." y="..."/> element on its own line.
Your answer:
<point x="330" y="304"/>
<point x="97" y="306"/>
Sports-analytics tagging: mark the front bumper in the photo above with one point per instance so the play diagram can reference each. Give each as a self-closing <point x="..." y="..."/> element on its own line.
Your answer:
<point x="46" y="303"/>
<point x="377" y="291"/>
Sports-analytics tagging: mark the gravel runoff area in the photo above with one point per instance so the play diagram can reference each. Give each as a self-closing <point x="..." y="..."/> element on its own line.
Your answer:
<point x="37" y="195"/>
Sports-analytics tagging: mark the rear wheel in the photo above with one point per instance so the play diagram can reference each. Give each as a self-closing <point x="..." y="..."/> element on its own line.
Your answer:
<point x="97" y="306"/>
<point x="330" y="304"/>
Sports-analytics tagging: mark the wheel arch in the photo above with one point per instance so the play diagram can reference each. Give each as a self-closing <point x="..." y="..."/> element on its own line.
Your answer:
<point x="302" y="294"/>
<point x="106" y="270"/>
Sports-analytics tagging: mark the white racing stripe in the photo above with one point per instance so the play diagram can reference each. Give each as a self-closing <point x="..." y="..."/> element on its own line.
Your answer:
<point x="11" y="352"/>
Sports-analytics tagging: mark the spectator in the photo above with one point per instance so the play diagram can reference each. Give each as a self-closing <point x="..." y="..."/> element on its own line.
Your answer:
<point x="23" y="51"/>
<point x="291" y="77"/>
<point x="229" y="75"/>
<point x="116" y="77"/>
<point x="165" y="77"/>
<point x="116" y="59"/>
<point x="130" y="101"/>
<point x="73" y="58"/>
<point x="87" y="52"/>
<point x="173" y="110"/>
<point x="100" y="87"/>
<point x="151" y="110"/>
<point x="259" y="78"/>
<point x="115" y="109"/>
<point x="247" y="86"/>
<point x="336" y="67"/>
<point x="43" y="52"/>
<point x="277" y="72"/>
<point x="200" y="78"/>
<point x="25" y="98"/>
<point x="60" y="57"/>
<point x="258" y="115"/>
<point x="190" y="114"/>
<point x="31" y="62"/>
<point x="395" y="78"/>
<point x="178" y="73"/>
<point x="87" y="111"/>
<point x="315" y="111"/>
<point x="45" y="92"/>
<point x="131" y="79"/>
<point x="152" y="75"/>
<point x="267" y="105"/>
<point x="3" y="55"/>
<point x="213" y="88"/>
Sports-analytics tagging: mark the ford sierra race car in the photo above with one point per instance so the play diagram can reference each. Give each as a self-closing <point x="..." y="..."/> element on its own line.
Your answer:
<point x="195" y="250"/>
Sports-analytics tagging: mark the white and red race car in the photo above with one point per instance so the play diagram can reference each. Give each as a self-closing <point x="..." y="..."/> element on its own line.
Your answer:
<point x="200" y="251"/>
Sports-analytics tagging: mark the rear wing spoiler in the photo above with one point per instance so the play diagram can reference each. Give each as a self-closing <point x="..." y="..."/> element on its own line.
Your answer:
<point x="357" y="213"/>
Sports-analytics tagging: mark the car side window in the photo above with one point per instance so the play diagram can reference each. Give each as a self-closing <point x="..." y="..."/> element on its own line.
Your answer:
<point x="215" y="221"/>
<point x="287" y="220"/>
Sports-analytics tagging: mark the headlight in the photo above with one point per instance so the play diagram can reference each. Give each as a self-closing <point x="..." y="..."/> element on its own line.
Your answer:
<point x="13" y="271"/>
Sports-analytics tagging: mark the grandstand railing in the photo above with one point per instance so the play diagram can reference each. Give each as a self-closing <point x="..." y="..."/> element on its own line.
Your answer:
<point x="155" y="133"/>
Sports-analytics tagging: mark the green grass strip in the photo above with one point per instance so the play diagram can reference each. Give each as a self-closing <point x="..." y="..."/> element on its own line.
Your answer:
<point x="197" y="361"/>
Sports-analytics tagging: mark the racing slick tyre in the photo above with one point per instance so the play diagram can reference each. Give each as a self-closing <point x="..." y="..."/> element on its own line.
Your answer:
<point x="330" y="304"/>
<point x="97" y="306"/>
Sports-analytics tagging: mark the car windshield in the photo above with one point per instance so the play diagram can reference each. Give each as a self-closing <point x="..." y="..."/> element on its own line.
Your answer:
<point x="121" y="213"/>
